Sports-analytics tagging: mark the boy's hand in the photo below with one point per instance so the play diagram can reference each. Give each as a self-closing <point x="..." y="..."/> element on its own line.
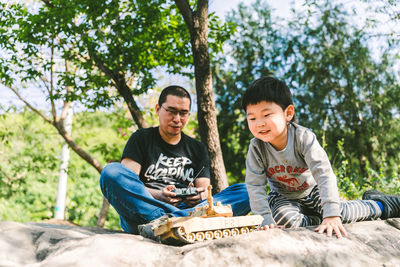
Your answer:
<point x="331" y="224"/>
<point x="271" y="226"/>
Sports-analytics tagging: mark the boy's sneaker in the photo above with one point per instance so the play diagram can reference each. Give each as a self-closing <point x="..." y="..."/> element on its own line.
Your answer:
<point x="391" y="203"/>
<point x="147" y="230"/>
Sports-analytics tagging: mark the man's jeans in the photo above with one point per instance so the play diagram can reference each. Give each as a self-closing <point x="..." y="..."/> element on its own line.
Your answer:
<point x="135" y="205"/>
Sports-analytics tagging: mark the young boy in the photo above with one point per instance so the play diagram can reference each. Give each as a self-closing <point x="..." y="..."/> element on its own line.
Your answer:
<point x="303" y="186"/>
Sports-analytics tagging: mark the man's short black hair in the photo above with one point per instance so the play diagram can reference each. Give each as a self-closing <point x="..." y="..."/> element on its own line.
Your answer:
<point x="173" y="90"/>
<point x="267" y="89"/>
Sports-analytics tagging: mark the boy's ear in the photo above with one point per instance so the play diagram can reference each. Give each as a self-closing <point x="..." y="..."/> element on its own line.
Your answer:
<point x="289" y="112"/>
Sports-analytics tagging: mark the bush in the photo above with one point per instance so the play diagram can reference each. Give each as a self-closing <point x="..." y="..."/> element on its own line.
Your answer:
<point x="29" y="166"/>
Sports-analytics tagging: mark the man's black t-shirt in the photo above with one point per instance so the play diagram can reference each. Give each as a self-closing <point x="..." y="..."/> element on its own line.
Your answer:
<point x="165" y="164"/>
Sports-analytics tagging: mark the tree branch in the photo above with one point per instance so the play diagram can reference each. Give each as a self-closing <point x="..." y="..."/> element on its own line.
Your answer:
<point x="65" y="110"/>
<point x="75" y="147"/>
<point x="187" y="13"/>
<point x="61" y="129"/>
<point x="45" y="81"/>
<point x="29" y="105"/>
<point x="123" y="89"/>
<point x="53" y="107"/>
<point x="67" y="104"/>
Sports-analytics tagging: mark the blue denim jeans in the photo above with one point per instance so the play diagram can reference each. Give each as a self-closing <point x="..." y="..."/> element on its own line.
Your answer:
<point x="135" y="205"/>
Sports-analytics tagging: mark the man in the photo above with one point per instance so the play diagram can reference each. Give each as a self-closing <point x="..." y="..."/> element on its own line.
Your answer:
<point x="157" y="160"/>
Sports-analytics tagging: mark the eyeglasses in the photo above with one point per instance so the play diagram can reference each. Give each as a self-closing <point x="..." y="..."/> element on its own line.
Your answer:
<point x="173" y="112"/>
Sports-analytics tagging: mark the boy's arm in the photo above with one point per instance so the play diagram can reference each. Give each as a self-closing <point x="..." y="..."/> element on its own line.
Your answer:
<point x="256" y="182"/>
<point x="321" y="169"/>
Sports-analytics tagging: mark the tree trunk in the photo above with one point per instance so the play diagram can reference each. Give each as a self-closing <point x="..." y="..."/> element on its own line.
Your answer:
<point x="103" y="213"/>
<point x="136" y="114"/>
<point x="197" y="23"/>
<point x="59" y="211"/>
<point x="89" y="159"/>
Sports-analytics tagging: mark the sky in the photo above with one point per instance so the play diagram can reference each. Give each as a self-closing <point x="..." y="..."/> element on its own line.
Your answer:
<point x="221" y="7"/>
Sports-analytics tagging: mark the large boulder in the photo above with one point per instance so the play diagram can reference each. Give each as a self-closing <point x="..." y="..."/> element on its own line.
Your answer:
<point x="372" y="243"/>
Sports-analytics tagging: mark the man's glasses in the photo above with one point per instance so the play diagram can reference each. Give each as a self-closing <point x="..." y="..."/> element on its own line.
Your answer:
<point x="173" y="112"/>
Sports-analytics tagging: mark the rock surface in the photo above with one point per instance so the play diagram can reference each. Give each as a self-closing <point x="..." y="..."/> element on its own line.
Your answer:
<point x="374" y="243"/>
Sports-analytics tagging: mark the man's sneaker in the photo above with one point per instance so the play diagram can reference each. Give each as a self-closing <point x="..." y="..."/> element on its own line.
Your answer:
<point x="391" y="203"/>
<point x="147" y="230"/>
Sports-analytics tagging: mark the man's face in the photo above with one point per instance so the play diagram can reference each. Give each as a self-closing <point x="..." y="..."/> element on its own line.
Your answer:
<point x="173" y="115"/>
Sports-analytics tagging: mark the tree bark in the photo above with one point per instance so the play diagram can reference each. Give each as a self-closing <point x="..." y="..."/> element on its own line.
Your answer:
<point x="197" y="23"/>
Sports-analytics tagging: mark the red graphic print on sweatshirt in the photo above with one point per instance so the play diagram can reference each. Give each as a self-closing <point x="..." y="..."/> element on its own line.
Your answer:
<point x="288" y="181"/>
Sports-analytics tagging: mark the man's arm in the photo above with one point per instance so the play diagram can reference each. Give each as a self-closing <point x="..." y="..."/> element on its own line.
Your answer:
<point x="131" y="164"/>
<point x="163" y="195"/>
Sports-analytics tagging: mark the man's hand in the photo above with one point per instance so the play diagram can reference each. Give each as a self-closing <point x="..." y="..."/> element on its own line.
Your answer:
<point x="331" y="224"/>
<point x="194" y="200"/>
<point x="169" y="197"/>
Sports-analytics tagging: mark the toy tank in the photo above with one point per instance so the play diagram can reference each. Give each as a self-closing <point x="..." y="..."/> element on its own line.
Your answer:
<point x="206" y="223"/>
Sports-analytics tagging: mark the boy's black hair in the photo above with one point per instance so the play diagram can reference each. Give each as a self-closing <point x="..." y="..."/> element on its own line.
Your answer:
<point x="173" y="90"/>
<point x="267" y="89"/>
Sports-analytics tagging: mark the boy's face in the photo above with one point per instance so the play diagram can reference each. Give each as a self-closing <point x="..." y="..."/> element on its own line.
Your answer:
<point x="268" y="122"/>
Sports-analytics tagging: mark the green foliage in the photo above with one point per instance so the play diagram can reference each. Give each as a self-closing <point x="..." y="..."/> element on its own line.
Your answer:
<point x="107" y="44"/>
<point x="103" y="39"/>
<point x="30" y="165"/>
<point x="352" y="187"/>
<point x="341" y="91"/>
<point x="252" y="51"/>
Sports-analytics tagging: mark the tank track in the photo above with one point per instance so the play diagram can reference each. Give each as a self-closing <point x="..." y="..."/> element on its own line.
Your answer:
<point x="182" y="238"/>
